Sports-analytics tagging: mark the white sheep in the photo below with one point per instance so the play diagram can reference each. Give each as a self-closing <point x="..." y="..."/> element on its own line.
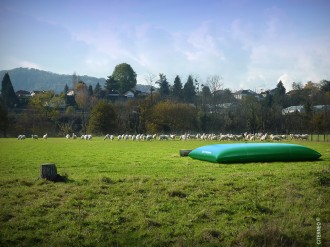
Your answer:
<point x="275" y="137"/>
<point x="74" y="136"/>
<point x="252" y="138"/>
<point x="21" y="137"/>
<point x="163" y="137"/>
<point x="88" y="137"/>
<point x="183" y="137"/>
<point x="67" y="136"/>
<point x="149" y="137"/>
<point x="304" y="137"/>
<point x="45" y="136"/>
<point x="264" y="137"/>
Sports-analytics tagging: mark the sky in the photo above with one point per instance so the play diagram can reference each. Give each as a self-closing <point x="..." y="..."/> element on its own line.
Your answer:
<point x="250" y="44"/>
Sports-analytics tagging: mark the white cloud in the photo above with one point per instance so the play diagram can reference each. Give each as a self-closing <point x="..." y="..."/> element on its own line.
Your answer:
<point x="29" y="64"/>
<point x="14" y="62"/>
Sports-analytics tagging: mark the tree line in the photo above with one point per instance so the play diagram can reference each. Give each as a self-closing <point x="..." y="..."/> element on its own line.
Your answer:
<point x="177" y="107"/>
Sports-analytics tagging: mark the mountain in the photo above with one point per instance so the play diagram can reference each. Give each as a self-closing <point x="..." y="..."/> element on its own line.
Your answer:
<point x="34" y="79"/>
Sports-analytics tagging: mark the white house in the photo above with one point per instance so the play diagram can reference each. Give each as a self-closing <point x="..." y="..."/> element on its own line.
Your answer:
<point x="129" y="94"/>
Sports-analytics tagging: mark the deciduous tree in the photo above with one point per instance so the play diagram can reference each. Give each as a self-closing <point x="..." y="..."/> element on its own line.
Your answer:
<point x="167" y="116"/>
<point x="125" y="76"/>
<point x="102" y="119"/>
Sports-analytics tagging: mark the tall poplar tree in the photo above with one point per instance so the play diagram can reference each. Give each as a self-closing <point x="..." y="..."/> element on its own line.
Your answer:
<point x="189" y="91"/>
<point x="7" y="92"/>
<point x="177" y="93"/>
<point x="164" y="87"/>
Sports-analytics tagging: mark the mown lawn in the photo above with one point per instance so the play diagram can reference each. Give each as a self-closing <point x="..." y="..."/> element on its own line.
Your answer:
<point x="144" y="194"/>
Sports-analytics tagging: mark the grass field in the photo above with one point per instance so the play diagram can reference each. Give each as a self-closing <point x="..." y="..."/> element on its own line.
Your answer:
<point x="145" y="194"/>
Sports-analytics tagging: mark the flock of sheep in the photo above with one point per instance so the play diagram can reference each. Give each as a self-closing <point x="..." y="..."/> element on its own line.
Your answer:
<point x="184" y="137"/>
<point x="220" y="137"/>
<point x="36" y="137"/>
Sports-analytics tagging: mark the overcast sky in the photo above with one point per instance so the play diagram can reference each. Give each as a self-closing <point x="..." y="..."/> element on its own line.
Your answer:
<point x="251" y="44"/>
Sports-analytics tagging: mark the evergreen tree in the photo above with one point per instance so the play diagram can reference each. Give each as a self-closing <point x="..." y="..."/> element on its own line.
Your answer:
<point x="90" y="90"/>
<point x="280" y="89"/>
<point x="111" y="84"/>
<point x="98" y="90"/>
<point x="177" y="92"/>
<point x="66" y="89"/>
<point x="164" y="87"/>
<point x="189" y="91"/>
<point x="4" y="121"/>
<point x="279" y="94"/>
<point x="325" y="86"/>
<point x="7" y="92"/>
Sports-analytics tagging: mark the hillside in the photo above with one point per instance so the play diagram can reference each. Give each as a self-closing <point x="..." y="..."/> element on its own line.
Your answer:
<point x="33" y="79"/>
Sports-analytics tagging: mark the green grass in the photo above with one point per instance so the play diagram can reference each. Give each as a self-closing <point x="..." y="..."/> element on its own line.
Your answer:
<point x="145" y="194"/>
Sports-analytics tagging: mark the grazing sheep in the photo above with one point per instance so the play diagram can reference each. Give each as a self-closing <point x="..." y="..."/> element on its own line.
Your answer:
<point x="67" y="136"/>
<point x="149" y="137"/>
<point x="223" y="137"/>
<point x="275" y="137"/>
<point x="21" y="137"/>
<point x="88" y="137"/>
<point x="163" y="137"/>
<point x="45" y="136"/>
<point x="264" y="137"/>
<point x="108" y="136"/>
<point x="183" y="137"/>
<point x="304" y="137"/>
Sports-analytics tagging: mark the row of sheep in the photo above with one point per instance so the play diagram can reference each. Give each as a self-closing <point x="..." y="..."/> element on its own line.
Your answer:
<point x="184" y="137"/>
<point x="83" y="137"/>
<point x="35" y="137"/>
<point x="220" y="137"/>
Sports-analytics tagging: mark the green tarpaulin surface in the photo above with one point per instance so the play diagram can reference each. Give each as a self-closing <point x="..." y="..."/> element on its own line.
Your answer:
<point x="253" y="152"/>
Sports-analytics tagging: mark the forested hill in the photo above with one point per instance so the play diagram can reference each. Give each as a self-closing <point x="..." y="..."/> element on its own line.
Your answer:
<point x="34" y="79"/>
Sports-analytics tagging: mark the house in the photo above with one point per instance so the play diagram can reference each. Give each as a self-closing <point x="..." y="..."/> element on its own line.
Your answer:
<point x="70" y="93"/>
<point x="23" y="93"/>
<point x="23" y="97"/>
<point x="292" y="109"/>
<point x="301" y="109"/>
<point x="129" y="94"/>
<point x="244" y="93"/>
<point x="35" y="92"/>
